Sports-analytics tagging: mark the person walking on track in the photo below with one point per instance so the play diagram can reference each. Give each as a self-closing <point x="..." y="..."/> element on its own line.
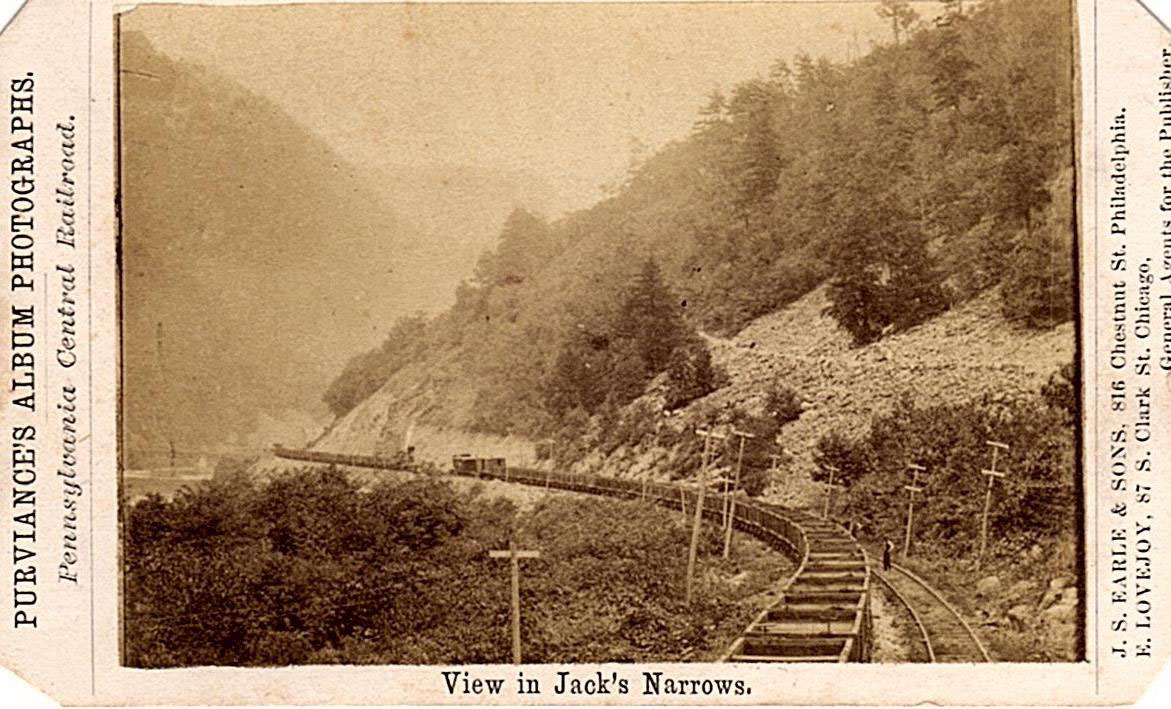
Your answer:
<point x="887" y="548"/>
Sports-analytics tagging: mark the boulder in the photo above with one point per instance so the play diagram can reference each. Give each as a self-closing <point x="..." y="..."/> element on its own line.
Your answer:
<point x="1058" y="583"/>
<point x="1048" y="598"/>
<point x="1060" y="612"/>
<point x="987" y="585"/>
<point x="1019" y="615"/>
<point x="1020" y="589"/>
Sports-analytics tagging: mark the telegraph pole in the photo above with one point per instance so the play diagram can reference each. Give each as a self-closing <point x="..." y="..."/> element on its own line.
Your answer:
<point x="829" y="490"/>
<point x="729" y="520"/>
<point x="708" y="435"/>
<point x="991" y="474"/>
<point x="722" y="483"/>
<point x="514" y="556"/>
<point x="911" y="490"/>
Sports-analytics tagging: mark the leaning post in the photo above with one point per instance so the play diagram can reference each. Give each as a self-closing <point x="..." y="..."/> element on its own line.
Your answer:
<point x="991" y="474"/>
<point x="911" y="490"/>
<point x="694" y="548"/>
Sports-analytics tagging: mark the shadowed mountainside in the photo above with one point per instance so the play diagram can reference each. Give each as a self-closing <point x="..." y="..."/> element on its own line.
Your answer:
<point x="237" y="225"/>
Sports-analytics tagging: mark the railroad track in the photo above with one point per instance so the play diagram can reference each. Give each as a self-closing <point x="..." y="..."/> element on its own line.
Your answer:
<point x="823" y="611"/>
<point x="943" y="632"/>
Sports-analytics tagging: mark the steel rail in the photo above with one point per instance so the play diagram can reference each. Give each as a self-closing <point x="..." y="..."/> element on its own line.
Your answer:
<point x="950" y="608"/>
<point x="911" y="609"/>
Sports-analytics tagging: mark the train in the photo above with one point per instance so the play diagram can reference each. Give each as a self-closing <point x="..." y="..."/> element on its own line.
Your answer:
<point x="822" y="613"/>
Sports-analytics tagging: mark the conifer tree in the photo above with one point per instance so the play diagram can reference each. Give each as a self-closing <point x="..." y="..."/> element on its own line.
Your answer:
<point x="651" y="318"/>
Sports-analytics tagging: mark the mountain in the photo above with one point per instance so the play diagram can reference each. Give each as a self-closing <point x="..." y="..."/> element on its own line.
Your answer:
<point x="889" y="191"/>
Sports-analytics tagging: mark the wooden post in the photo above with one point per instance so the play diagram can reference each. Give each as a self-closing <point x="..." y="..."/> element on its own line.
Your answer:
<point x="730" y="520"/>
<point x="514" y="556"/>
<point x="829" y="491"/>
<point x="911" y="490"/>
<point x="991" y="474"/>
<point x="694" y="548"/>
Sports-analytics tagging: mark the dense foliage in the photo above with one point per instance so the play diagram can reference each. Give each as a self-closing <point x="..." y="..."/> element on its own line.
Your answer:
<point x="1035" y="500"/>
<point x="909" y="179"/>
<point x="312" y="568"/>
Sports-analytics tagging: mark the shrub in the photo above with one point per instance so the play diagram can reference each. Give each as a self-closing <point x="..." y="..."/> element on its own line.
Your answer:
<point x="1062" y="390"/>
<point x="835" y="450"/>
<point x="690" y="374"/>
<point x="1034" y="500"/>
<point x="783" y="405"/>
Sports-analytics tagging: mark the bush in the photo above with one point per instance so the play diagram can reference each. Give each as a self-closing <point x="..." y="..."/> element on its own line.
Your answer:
<point x="1034" y="500"/>
<point x="1061" y="393"/>
<point x="690" y="374"/>
<point x="783" y="405"/>
<point x="835" y="450"/>
<point x="312" y="568"/>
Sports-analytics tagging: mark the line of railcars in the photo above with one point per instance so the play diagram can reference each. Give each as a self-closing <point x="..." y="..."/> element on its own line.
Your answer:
<point x="821" y="615"/>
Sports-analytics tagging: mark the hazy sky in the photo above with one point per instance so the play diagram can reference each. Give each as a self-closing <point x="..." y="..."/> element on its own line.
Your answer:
<point x="557" y="91"/>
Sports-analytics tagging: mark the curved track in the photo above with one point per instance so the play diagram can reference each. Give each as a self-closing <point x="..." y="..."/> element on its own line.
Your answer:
<point x="823" y="612"/>
<point x="945" y="635"/>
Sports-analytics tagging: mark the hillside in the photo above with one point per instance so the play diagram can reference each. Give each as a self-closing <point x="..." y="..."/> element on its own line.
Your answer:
<point x="961" y="355"/>
<point x="834" y="239"/>
<point x="237" y="222"/>
<point x="896" y="183"/>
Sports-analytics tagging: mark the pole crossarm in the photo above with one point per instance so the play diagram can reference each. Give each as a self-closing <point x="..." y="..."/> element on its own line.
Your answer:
<point x="519" y="554"/>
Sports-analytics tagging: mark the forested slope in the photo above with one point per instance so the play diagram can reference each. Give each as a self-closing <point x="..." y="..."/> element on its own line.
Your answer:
<point x="918" y="177"/>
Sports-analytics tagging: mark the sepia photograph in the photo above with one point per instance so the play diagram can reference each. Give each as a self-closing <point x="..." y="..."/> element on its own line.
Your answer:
<point x="459" y="334"/>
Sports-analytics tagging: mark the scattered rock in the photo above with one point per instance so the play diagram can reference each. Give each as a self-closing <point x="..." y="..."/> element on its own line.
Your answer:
<point x="987" y="585"/>
<point x="1019" y="616"/>
<point x="1061" y="612"/>
<point x="1058" y="583"/>
<point x="1020" y="589"/>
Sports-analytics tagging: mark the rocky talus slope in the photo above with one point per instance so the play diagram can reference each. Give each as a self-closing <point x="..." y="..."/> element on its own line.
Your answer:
<point x="963" y="354"/>
<point x="960" y="355"/>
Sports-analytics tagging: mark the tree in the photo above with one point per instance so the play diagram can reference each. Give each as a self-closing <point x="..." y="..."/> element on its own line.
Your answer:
<point x="884" y="276"/>
<point x="526" y="244"/>
<point x="846" y="457"/>
<point x="757" y="160"/>
<point x="952" y="80"/>
<point x="900" y="14"/>
<point x="651" y="318"/>
<point x="713" y="112"/>
<point x="690" y="373"/>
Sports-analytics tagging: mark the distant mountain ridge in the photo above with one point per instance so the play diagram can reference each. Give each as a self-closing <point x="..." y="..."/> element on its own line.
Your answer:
<point x="238" y="224"/>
